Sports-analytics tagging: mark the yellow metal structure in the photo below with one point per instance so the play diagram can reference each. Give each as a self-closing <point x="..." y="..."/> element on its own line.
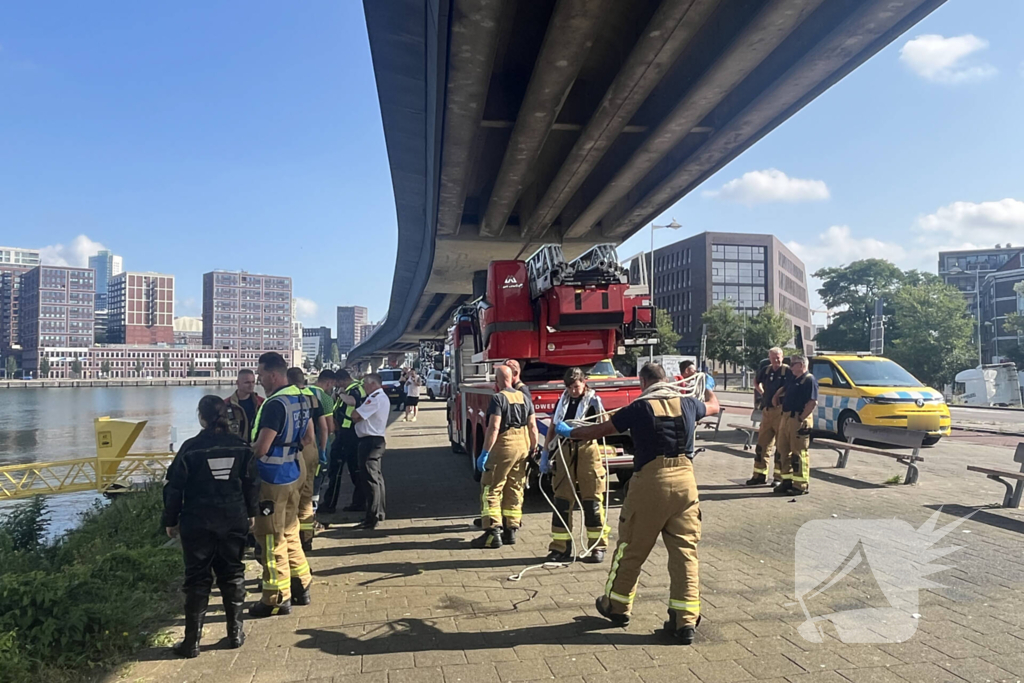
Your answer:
<point x="113" y="468"/>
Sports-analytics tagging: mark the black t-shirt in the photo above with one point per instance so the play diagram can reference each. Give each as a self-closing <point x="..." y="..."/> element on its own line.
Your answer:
<point x="273" y="416"/>
<point x="249" y="406"/>
<point x="573" y="404"/>
<point x="513" y="415"/>
<point x="772" y="380"/>
<point x="654" y="436"/>
<point x="525" y="391"/>
<point x="799" y="392"/>
<point x="341" y="408"/>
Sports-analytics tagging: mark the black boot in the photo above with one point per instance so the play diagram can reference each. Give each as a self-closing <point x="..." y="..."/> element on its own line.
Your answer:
<point x="233" y="616"/>
<point x="300" y="595"/>
<point x="508" y="536"/>
<point x="604" y="608"/>
<point x="757" y="480"/>
<point x="785" y="487"/>
<point x="684" y="635"/>
<point x="262" y="610"/>
<point x="595" y="557"/>
<point x="195" y="614"/>
<point x="491" y="538"/>
<point x="558" y="557"/>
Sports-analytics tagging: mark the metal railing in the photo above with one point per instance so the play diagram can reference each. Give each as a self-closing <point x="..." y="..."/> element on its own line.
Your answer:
<point x="84" y="474"/>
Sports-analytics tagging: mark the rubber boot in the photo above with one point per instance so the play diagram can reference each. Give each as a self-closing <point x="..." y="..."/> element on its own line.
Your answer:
<point x="195" y="614"/>
<point x="491" y="538"/>
<point x="683" y="634"/>
<point x="596" y="556"/>
<point x="757" y="480"/>
<point x="604" y="608"/>
<point x="508" y="536"/>
<point x="262" y="610"/>
<point x="300" y="595"/>
<point x="785" y="487"/>
<point x="233" y="616"/>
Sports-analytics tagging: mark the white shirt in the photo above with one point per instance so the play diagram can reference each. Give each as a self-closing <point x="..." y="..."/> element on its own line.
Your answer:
<point x="412" y="389"/>
<point x="374" y="412"/>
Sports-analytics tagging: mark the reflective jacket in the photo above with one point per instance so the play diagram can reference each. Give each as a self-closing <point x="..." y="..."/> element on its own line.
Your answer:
<point x="280" y="465"/>
<point x="237" y="418"/>
<point x="343" y="412"/>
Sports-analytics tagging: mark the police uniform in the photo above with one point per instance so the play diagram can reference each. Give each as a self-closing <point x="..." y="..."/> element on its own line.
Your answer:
<point x="792" y="445"/>
<point x="771" y="415"/>
<point x="662" y="501"/>
<point x="283" y="475"/>
<point x="501" y="494"/>
<point x="345" y="451"/>
<point x="311" y="462"/>
<point x="582" y="471"/>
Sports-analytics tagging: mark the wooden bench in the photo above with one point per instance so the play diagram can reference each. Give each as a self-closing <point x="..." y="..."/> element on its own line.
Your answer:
<point x="713" y="421"/>
<point x="890" y="436"/>
<point x="750" y="430"/>
<point x="1013" y="490"/>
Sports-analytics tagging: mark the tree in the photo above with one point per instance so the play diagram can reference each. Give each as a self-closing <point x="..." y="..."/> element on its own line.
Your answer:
<point x="12" y="366"/>
<point x="218" y="364"/>
<point x="335" y="356"/>
<point x="725" y="333"/>
<point x="105" y="368"/>
<point x="44" y="367"/>
<point x="307" y="364"/>
<point x="138" y="367"/>
<point x="76" y="368"/>
<point x="667" y="340"/>
<point x="931" y="332"/>
<point x="1015" y="325"/>
<point x="167" y="365"/>
<point x="767" y="329"/>
<point x="855" y="288"/>
<point x="318" y="363"/>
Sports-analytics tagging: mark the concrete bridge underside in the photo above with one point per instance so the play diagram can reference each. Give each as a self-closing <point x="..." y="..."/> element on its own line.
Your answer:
<point x="513" y="123"/>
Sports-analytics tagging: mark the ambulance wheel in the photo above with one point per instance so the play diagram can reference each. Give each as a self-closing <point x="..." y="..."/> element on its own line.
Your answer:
<point x="847" y="417"/>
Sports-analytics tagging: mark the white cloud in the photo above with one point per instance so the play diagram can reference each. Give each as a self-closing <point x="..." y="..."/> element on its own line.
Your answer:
<point x="987" y="223"/>
<point x="76" y="254"/>
<point x="945" y="60"/>
<point x="771" y="185"/>
<point x="305" y="309"/>
<point x="838" y="245"/>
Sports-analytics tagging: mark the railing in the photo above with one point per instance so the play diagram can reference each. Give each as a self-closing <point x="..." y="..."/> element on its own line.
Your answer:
<point x="84" y="474"/>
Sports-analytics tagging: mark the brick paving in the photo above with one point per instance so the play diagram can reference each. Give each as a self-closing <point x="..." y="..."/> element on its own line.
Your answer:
<point x="412" y="602"/>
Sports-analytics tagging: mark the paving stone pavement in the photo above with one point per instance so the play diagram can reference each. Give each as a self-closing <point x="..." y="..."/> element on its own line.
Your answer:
<point x="412" y="602"/>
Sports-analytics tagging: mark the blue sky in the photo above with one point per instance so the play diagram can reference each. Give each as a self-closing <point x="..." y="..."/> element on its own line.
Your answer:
<point x="194" y="136"/>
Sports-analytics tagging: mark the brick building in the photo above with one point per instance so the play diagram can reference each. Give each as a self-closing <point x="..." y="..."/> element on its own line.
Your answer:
<point x="140" y="308"/>
<point x="351" y="320"/>
<point x="56" y="310"/>
<point x="247" y="312"/>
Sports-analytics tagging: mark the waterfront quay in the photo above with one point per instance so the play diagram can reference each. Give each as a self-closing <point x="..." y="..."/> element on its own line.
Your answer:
<point x="118" y="382"/>
<point x="411" y="601"/>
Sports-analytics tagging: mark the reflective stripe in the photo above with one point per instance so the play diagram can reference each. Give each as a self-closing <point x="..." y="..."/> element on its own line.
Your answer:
<point x="306" y="526"/>
<point x="511" y="513"/>
<point x="561" y="536"/>
<point x="684" y="606"/>
<point x="273" y="583"/>
<point x="615" y="568"/>
<point x="598" y="533"/>
<point x="760" y="470"/>
<point x="484" y="510"/>
<point x="786" y="475"/>
<point x="301" y="570"/>
<point x="624" y="599"/>
<point x="346" y="422"/>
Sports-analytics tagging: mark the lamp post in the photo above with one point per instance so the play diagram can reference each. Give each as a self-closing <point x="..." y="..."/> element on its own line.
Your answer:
<point x="956" y="270"/>
<point x="650" y="275"/>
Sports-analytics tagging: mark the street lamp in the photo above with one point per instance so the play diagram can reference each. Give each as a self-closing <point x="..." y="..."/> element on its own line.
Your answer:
<point x="956" y="270"/>
<point x="672" y="226"/>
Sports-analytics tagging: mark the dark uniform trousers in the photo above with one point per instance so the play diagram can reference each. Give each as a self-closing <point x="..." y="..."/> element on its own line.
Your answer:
<point x="344" y="453"/>
<point x="504" y="480"/>
<point x="214" y="544"/>
<point x="311" y="462"/>
<point x="582" y="471"/>
<point x="277" y="535"/>
<point x="792" y="450"/>
<point x="371" y="452"/>
<point x="767" y="435"/>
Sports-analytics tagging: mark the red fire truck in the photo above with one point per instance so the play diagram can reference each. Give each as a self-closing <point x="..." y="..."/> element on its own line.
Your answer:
<point x="549" y="315"/>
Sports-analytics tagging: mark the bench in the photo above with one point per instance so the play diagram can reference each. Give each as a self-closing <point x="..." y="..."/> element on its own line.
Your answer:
<point x="890" y="436"/>
<point x="1013" y="490"/>
<point x="750" y="430"/>
<point x="713" y="421"/>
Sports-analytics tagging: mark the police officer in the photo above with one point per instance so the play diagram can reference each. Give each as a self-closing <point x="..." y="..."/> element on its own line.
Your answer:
<point x="345" y="451"/>
<point x="312" y="456"/>
<point x="210" y="499"/>
<point x="280" y="433"/>
<point x="577" y="466"/>
<point x="770" y="379"/>
<point x="798" y="399"/>
<point x="510" y="437"/>
<point x="662" y="498"/>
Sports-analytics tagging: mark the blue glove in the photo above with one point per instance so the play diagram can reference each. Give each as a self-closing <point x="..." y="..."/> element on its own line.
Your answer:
<point x="545" y="461"/>
<point x="481" y="461"/>
<point x="709" y="382"/>
<point x="323" y="457"/>
<point x="563" y="430"/>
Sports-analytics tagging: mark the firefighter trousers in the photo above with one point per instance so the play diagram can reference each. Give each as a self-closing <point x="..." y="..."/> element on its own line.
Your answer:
<point x="213" y="549"/>
<point x="277" y="537"/>
<point x="306" y="513"/>
<point x="583" y="472"/>
<point x="504" y="480"/>
<point x="792" y="450"/>
<point x="767" y="436"/>
<point x="662" y="501"/>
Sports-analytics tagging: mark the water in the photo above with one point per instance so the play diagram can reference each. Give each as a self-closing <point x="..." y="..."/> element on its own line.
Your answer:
<point x="40" y="425"/>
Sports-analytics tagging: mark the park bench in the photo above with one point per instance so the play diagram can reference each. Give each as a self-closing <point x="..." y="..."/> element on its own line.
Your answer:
<point x="1014" y="489"/>
<point x="750" y="429"/>
<point x="714" y="420"/>
<point x="889" y="436"/>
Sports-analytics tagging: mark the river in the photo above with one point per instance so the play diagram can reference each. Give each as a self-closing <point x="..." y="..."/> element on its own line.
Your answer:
<point x="39" y="425"/>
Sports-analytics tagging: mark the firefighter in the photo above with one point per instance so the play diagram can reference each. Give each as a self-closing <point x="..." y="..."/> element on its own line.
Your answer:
<point x="324" y="388"/>
<point x="661" y="501"/>
<point x="517" y="384"/>
<point x="312" y="456"/>
<point x="798" y="399"/>
<point x="770" y="379"/>
<point x="243" y="404"/>
<point x="210" y="500"/>
<point x="582" y="471"/>
<point x="280" y="433"/>
<point x="345" y="451"/>
<point x="510" y="437"/>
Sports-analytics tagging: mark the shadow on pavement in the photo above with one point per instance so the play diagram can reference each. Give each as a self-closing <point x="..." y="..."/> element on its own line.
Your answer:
<point x="849" y="482"/>
<point x="982" y="517"/>
<point x="362" y="549"/>
<point x="393" y="570"/>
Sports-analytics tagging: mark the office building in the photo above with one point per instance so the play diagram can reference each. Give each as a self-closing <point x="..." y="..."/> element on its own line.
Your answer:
<point x="10" y="294"/>
<point x="316" y="341"/>
<point x="966" y="268"/>
<point x="141" y="308"/>
<point x="692" y="275"/>
<point x="56" y="311"/>
<point x="126" y="361"/>
<point x="188" y="332"/>
<point x="350" y="326"/>
<point x="366" y="330"/>
<point x="106" y="266"/>
<point x="15" y="256"/>
<point x="998" y="300"/>
<point x="247" y="312"/>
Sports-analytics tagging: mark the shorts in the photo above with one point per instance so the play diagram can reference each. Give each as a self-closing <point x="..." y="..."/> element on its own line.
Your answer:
<point x="411" y="401"/>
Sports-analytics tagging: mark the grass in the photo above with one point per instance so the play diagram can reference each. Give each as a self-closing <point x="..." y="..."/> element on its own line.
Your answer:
<point x="894" y="479"/>
<point x="91" y="598"/>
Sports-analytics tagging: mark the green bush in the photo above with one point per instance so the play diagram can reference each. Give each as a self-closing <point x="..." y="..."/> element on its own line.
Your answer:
<point x="86" y="599"/>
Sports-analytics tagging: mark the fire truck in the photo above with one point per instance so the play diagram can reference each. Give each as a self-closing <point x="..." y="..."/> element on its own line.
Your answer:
<point x="549" y="315"/>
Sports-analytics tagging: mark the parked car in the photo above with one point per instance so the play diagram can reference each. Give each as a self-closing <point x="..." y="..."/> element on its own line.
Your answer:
<point x="390" y="379"/>
<point x="437" y="384"/>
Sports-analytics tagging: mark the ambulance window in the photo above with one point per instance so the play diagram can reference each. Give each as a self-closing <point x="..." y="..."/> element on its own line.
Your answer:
<point x="822" y="369"/>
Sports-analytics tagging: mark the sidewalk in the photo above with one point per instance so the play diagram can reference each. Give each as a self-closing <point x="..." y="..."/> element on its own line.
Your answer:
<point x="412" y="602"/>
